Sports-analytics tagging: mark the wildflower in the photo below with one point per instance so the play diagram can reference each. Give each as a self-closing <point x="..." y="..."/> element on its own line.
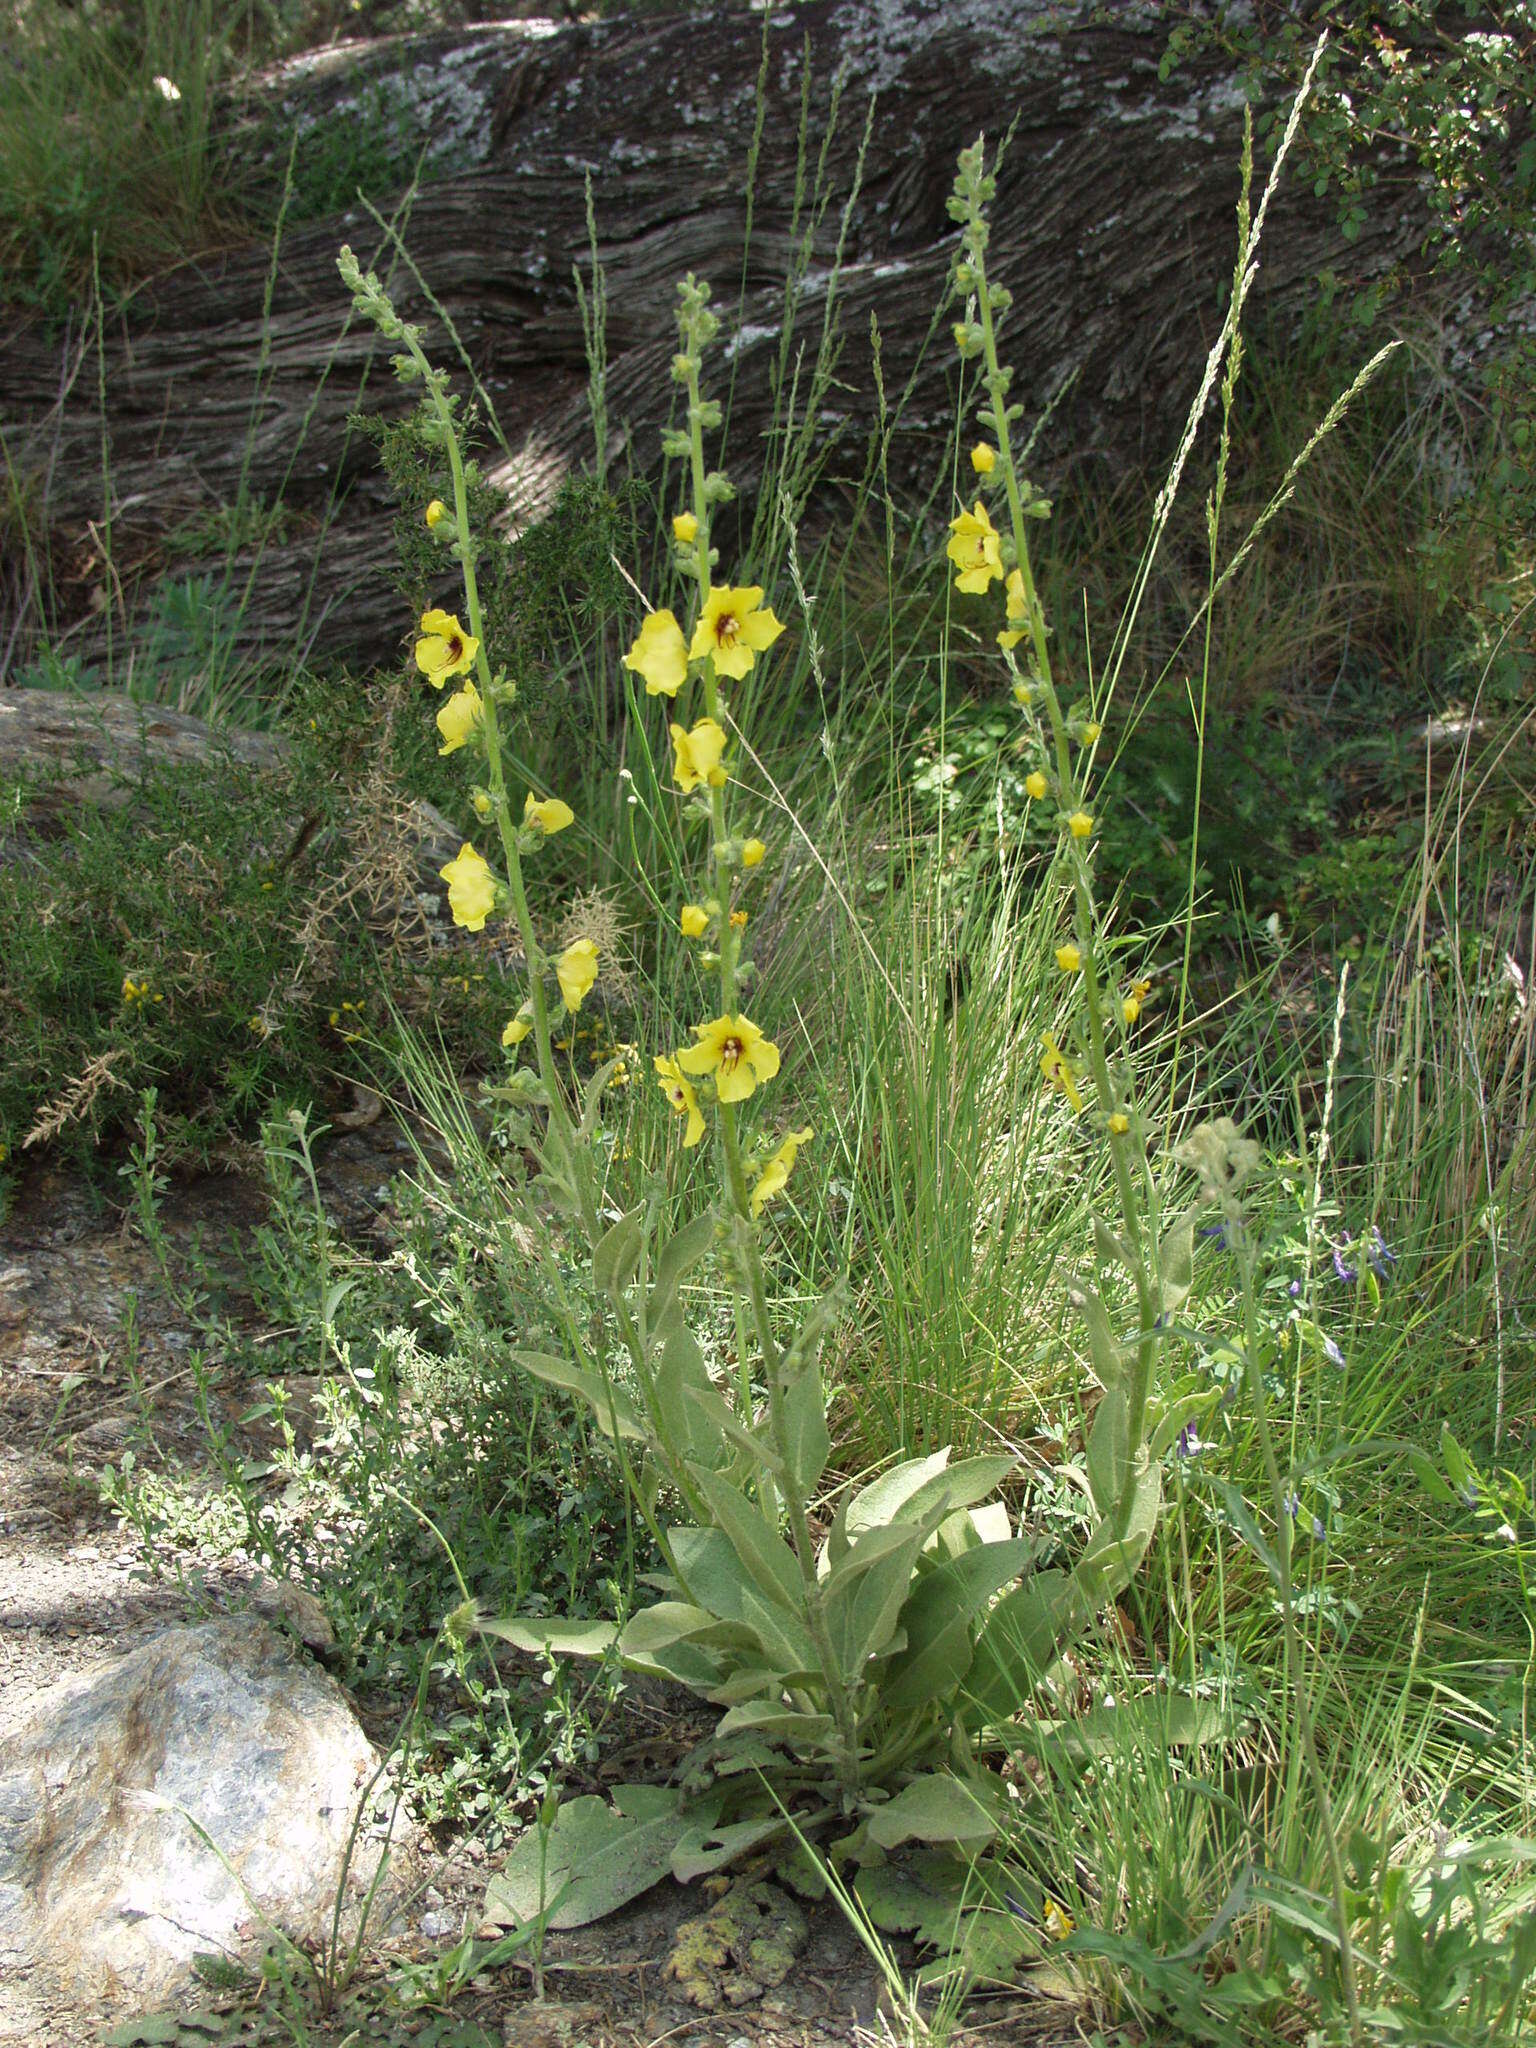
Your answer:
<point x="1069" y="959"/>
<point x="1080" y="824"/>
<point x="471" y="889"/>
<point x="444" y="649"/>
<point x="1023" y="693"/>
<point x="1190" y="1442"/>
<point x="776" y="1173"/>
<point x="1347" y="1272"/>
<point x="974" y="550"/>
<point x="257" y="1023"/>
<point x="547" y="814"/>
<point x="1056" y="1920"/>
<point x="1119" y="1122"/>
<point x="1035" y="785"/>
<point x="459" y="719"/>
<point x="1057" y="1069"/>
<point x="752" y="853"/>
<point x="518" y="1027"/>
<point x="1332" y="1353"/>
<point x="983" y="458"/>
<point x="738" y="920"/>
<point x="1091" y="732"/>
<point x="693" y="920"/>
<point x="735" y="627"/>
<point x="660" y="655"/>
<point x="1018" y="613"/>
<point x="576" y="970"/>
<point x="682" y="1095"/>
<point x="435" y="514"/>
<point x="1380" y="1254"/>
<point x="484" y="808"/>
<point x="1130" y="1009"/>
<point x="697" y="755"/>
<point x="685" y="528"/>
<point x="735" y="1052"/>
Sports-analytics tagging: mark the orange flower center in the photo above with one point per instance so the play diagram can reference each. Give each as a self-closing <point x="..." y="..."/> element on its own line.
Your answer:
<point x="732" y="1051"/>
<point x="727" y="629"/>
<point x="455" y="647"/>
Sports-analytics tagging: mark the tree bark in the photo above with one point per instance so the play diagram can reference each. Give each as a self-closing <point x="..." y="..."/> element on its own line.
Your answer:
<point x="230" y="382"/>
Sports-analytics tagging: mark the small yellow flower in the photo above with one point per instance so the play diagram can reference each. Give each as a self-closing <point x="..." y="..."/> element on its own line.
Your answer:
<point x="518" y="1027"/>
<point x="660" y="655"/>
<point x="738" y="920"/>
<point x="962" y="335"/>
<point x="1069" y="960"/>
<point x="1141" y="990"/>
<point x="547" y="814"/>
<point x="1058" y="1922"/>
<point x="682" y="1095"/>
<point x="685" y="528"/>
<point x="459" y="719"/>
<point x="735" y="627"/>
<point x="776" y="1173"/>
<point x="697" y="755"/>
<point x="576" y="970"/>
<point x="1130" y="1009"/>
<point x="1057" y="1069"/>
<point x="735" y="1052"/>
<point x="693" y="921"/>
<point x="444" y="649"/>
<point x="1018" y="613"/>
<point x="1023" y="693"/>
<point x="974" y="550"/>
<point x="471" y="889"/>
<point x="1119" y="1123"/>
<point x="436" y="513"/>
<point x="481" y="799"/>
<point x="752" y="853"/>
<point x="1036" y="785"/>
<point x="1080" y="824"/>
<point x="1091" y="732"/>
<point x="983" y="458"/>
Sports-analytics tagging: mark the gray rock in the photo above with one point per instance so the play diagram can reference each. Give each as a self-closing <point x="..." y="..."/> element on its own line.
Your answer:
<point x="106" y="1889"/>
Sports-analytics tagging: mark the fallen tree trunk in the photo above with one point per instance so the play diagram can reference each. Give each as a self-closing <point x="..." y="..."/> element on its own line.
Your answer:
<point x="229" y="384"/>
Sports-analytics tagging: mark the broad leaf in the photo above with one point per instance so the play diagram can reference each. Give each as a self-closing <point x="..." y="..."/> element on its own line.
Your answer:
<point x="921" y="1894"/>
<point x="595" y="1859"/>
<point x="910" y="1491"/>
<point x="1157" y="1724"/>
<point x="722" y="1418"/>
<point x="939" y="1618"/>
<point x="1019" y="1642"/>
<point x="616" y="1255"/>
<point x="1106" y="1355"/>
<point x="677" y="1256"/>
<point x="761" y="1549"/>
<point x="611" y="1407"/>
<point x="805" y="1420"/>
<point x="703" y="1848"/>
<point x="863" y="1595"/>
<point x="938" y="1808"/>
<point x="561" y="1638"/>
<point x="1114" y="1551"/>
<point x="1109" y="1450"/>
<point x="680" y="1369"/>
<point x="1176" y="1262"/>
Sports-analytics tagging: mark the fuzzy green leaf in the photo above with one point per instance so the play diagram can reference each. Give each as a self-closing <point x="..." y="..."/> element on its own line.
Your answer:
<point x="677" y="1256"/>
<point x="595" y="1859"/>
<point x="561" y="1638"/>
<point x="767" y="1557"/>
<point x="1176" y="1262"/>
<point x="612" y="1409"/>
<point x="1109" y="1450"/>
<point x="938" y="1808"/>
<point x="1105" y="1354"/>
<point x="617" y="1254"/>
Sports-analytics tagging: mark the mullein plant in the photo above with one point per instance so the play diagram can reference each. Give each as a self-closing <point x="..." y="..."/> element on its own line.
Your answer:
<point x="862" y="1674"/>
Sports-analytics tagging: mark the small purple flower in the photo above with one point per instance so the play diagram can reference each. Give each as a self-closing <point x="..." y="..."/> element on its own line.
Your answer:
<point x="1218" y="1231"/>
<point x="1349" y="1274"/>
<point x="1190" y="1442"/>
<point x="1293" y="1289"/>
<point x="1293" y="1504"/>
<point x="1317" y="1528"/>
<point x="1381" y="1255"/>
<point x="1333" y="1354"/>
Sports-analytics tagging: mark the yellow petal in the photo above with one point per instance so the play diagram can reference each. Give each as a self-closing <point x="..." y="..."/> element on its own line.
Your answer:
<point x="660" y="655"/>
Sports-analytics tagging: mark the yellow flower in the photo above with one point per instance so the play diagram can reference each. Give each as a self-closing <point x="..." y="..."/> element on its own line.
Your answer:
<point x="436" y="513"/>
<point x="962" y="335"/>
<point x="685" y="528"/>
<point x="752" y="853"/>
<point x="1080" y="824"/>
<point x="444" y="649"/>
<point x="471" y="889"/>
<point x="547" y="814"/>
<point x="735" y="627"/>
<point x="459" y="718"/>
<point x="1141" y="990"/>
<point x="693" y="921"/>
<point x="698" y="755"/>
<point x="738" y="920"/>
<point x="134" y="991"/>
<point x="680" y="1092"/>
<point x="1069" y="960"/>
<point x="735" y="1052"/>
<point x="776" y="1172"/>
<point x="576" y="970"/>
<point x="481" y="799"/>
<point x="1091" y="732"/>
<point x="1057" y="1920"/>
<point x="518" y="1027"/>
<point x="1130" y="1009"/>
<point x="1018" y="612"/>
<point x="660" y="655"/>
<point x="1023" y="693"/>
<point x="983" y="458"/>
<point x="1119" y="1123"/>
<point x="1036" y="785"/>
<point x="1057" y="1069"/>
<point x="973" y="548"/>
